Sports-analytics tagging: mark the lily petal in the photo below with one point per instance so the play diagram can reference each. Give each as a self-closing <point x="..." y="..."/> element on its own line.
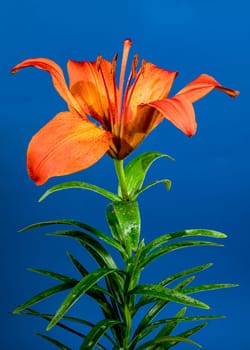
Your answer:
<point x="153" y="83"/>
<point x="56" y="75"/>
<point x="201" y="86"/>
<point x="93" y="87"/>
<point x="65" y="145"/>
<point x="179" y="111"/>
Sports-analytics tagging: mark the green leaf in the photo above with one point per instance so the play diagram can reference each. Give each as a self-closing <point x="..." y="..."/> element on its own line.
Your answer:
<point x="80" y="185"/>
<point x="81" y="288"/>
<point x="100" y="254"/>
<point x="137" y="169"/>
<point x="160" y="292"/>
<point x="184" y="273"/>
<point x="44" y="295"/>
<point x="181" y="234"/>
<point x="83" y="271"/>
<point x="186" y="319"/>
<point x="155" y="309"/>
<point x="206" y="287"/>
<point x="54" y="341"/>
<point x="54" y="275"/>
<point x="145" y="299"/>
<point x="166" y="182"/>
<point x="103" y="236"/>
<point x="31" y="312"/>
<point x="172" y="247"/>
<point x="125" y="223"/>
<point x="170" y="326"/>
<point x="188" y="333"/>
<point x="166" y="341"/>
<point x="96" y="333"/>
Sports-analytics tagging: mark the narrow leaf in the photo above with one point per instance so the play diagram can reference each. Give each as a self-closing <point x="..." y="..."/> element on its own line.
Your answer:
<point x="168" y="294"/>
<point x="82" y="287"/>
<point x="188" y="333"/>
<point x="137" y="169"/>
<point x="31" y="312"/>
<point x="104" y="237"/>
<point x="53" y="341"/>
<point x="103" y="258"/>
<point x="181" y="234"/>
<point x="206" y="287"/>
<point x="54" y="275"/>
<point x="166" y="341"/>
<point x="44" y="295"/>
<point x="172" y="247"/>
<point x="96" y="333"/>
<point x="80" y="185"/>
<point x="166" y="182"/>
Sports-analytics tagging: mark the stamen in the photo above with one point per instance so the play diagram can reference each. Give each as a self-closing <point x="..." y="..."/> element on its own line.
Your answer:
<point x="113" y="64"/>
<point x="113" y="70"/>
<point x="106" y="87"/>
<point x="143" y="64"/>
<point x="98" y="62"/>
<point x="127" y="46"/>
<point x="134" y="65"/>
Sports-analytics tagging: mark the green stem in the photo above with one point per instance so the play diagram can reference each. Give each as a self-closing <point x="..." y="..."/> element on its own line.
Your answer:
<point x="121" y="178"/>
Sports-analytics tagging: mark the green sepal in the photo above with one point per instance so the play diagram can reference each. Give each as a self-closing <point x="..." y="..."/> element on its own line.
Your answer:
<point x="125" y="223"/>
<point x="137" y="169"/>
<point x="80" y="185"/>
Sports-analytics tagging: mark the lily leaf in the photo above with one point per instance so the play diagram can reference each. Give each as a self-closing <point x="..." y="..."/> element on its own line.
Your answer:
<point x="96" y="333"/>
<point x="53" y="341"/>
<point x="181" y="234"/>
<point x="188" y="333"/>
<point x="206" y="287"/>
<point x="44" y="295"/>
<point x="172" y="247"/>
<point x="160" y="292"/>
<point x="54" y="275"/>
<point x="100" y="254"/>
<point x="165" y="341"/>
<point x="137" y="169"/>
<point x="31" y="312"/>
<point x="166" y="182"/>
<point x="103" y="236"/>
<point x="125" y="223"/>
<point x="81" y="185"/>
<point x="81" y="288"/>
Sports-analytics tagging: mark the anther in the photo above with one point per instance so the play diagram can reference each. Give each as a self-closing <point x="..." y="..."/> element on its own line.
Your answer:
<point x="113" y="64"/>
<point x="134" y="65"/>
<point x="143" y="64"/>
<point x="98" y="62"/>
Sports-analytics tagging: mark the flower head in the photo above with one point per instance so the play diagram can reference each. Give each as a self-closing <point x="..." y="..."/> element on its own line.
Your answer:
<point x="121" y="115"/>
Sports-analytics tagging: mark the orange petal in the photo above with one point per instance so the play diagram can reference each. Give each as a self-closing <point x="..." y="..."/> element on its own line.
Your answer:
<point x="179" y="111"/>
<point x="153" y="83"/>
<point x="201" y="86"/>
<point x="56" y="75"/>
<point x="87" y="85"/>
<point x="65" y="145"/>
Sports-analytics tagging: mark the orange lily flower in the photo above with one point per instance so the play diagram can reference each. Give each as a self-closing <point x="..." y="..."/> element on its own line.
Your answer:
<point x="71" y="142"/>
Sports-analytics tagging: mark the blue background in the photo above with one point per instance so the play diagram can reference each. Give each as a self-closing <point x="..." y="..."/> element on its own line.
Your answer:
<point x="210" y="176"/>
